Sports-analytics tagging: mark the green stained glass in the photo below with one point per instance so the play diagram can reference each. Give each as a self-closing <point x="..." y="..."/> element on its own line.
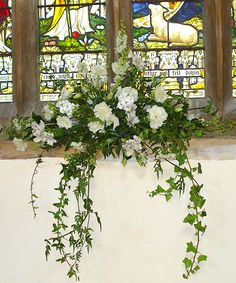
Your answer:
<point x="72" y="26"/>
<point x="70" y="32"/>
<point x="5" y="51"/>
<point x="171" y="34"/>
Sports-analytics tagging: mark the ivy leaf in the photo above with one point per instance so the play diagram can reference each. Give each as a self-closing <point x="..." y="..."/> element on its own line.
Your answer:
<point x="168" y="196"/>
<point x="187" y="262"/>
<point x="201" y="258"/>
<point x="190" y="219"/>
<point x="191" y="247"/>
<point x="200" y="227"/>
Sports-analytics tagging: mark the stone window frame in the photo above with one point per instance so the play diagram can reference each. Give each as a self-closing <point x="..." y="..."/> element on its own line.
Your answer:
<point x="218" y="64"/>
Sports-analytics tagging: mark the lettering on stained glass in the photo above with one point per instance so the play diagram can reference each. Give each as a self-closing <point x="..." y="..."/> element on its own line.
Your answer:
<point x="68" y="30"/>
<point x="5" y="51"/>
<point x="171" y="34"/>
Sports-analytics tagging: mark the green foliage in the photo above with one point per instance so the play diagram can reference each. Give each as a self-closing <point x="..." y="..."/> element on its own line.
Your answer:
<point x="90" y="118"/>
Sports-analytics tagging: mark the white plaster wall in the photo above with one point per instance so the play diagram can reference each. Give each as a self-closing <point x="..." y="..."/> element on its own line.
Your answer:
<point x="143" y="240"/>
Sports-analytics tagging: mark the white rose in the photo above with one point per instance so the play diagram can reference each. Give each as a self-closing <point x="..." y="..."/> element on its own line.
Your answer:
<point x="103" y="112"/>
<point x="20" y="144"/>
<point x="95" y="127"/>
<point x="157" y="116"/>
<point x="64" y="122"/>
<point x="160" y="94"/>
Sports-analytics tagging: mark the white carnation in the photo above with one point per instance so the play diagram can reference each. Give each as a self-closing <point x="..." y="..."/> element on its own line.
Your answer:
<point x="103" y="112"/>
<point x="64" y="122"/>
<point x="132" y="145"/>
<point x="78" y="146"/>
<point x="20" y="144"/>
<point x="160" y="94"/>
<point x="157" y="116"/>
<point x="95" y="127"/>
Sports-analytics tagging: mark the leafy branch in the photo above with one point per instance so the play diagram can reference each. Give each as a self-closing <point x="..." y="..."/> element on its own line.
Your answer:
<point x="33" y="196"/>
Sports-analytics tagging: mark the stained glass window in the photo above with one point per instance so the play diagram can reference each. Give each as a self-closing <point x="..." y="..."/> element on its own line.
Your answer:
<point x="70" y="32"/>
<point x="171" y="35"/>
<point x="5" y="51"/>
<point x="233" y="13"/>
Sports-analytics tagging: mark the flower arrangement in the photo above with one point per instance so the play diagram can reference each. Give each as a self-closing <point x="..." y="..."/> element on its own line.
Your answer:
<point x="132" y="118"/>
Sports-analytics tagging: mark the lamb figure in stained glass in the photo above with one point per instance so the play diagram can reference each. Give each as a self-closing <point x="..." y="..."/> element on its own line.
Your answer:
<point x="176" y="34"/>
<point x="5" y="25"/>
<point x="69" y="21"/>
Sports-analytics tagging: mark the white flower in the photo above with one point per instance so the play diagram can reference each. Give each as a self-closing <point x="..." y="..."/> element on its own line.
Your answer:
<point x="64" y="122"/>
<point x="16" y="124"/>
<point x="48" y="138"/>
<point x="65" y="93"/>
<point x="132" y="118"/>
<point x="126" y="98"/>
<point x="98" y="75"/>
<point x="65" y="107"/>
<point x="45" y="138"/>
<point x="47" y="113"/>
<point x="82" y="69"/>
<point x="130" y="54"/>
<point x="157" y="116"/>
<point x="120" y="68"/>
<point x="78" y="146"/>
<point x="138" y="62"/>
<point x="160" y="94"/>
<point x="132" y="145"/>
<point x="38" y="129"/>
<point x="96" y="127"/>
<point x="20" y="144"/>
<point x="115" y="121"/>
<point x="103" y="112"/>
<point x="121" y="42"/>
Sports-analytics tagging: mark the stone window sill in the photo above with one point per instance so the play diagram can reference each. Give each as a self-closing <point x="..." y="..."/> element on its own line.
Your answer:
<point x="200" y="149"/>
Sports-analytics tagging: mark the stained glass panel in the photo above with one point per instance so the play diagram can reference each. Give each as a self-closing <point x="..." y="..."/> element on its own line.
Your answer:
<point x="5" y="51"/>
<point x="233" y="14"/>
<point x="70" y="31"/>
<point x="171" y="34"/>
